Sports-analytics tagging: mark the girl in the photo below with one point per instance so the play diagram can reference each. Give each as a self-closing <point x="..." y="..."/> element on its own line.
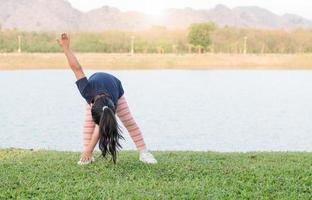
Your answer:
<point x="105" y="97"/>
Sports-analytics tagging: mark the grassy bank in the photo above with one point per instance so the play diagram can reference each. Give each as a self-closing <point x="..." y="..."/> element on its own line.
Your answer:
<point x="14" y="61"/>
<point x="179" y="175"/>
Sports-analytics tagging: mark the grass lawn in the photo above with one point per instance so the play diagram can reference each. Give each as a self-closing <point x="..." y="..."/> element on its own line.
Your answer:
<point x="179" y="175"/>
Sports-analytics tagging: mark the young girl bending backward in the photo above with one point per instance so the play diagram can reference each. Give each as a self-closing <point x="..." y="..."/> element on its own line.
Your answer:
<point x="105" y="98"/>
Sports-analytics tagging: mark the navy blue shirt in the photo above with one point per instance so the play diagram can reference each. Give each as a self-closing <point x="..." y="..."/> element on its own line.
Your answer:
<point x="100" y="83"/>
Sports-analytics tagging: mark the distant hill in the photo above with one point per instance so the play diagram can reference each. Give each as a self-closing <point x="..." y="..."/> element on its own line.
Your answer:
<point x="106" y="18"/>
<point x="38" y="15"/>
<point x="57" y="15"/>
<point x="251" y="16"/>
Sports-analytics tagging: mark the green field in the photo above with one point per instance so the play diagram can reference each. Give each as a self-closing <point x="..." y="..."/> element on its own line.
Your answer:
<point x="179" y="175"/>
<point x="160" y="39"/>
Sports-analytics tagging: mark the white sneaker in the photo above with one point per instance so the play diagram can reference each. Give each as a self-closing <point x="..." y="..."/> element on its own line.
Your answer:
<point x="86" y="162"/>
<point x="147" y="157"/>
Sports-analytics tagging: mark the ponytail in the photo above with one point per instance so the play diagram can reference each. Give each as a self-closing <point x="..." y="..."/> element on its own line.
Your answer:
<point x="103" y="114"/>
<point x="110" y="134"/>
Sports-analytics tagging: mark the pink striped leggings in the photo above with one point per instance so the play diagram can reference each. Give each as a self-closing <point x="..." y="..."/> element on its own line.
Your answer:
<point x="124" y="114"/>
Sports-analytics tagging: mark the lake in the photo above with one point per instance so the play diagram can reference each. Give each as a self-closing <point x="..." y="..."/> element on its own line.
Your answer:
<point x="211" y="110"/>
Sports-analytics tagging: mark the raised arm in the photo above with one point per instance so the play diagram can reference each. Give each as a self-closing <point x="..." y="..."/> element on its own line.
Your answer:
<point x="64" y="42"/>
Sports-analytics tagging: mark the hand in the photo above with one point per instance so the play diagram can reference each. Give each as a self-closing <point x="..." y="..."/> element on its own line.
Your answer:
<point x="64" y="41"/>
<point x="86" y="156"/>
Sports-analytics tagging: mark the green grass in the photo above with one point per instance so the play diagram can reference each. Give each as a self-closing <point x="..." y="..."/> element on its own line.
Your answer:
<point x="179" y="175"/>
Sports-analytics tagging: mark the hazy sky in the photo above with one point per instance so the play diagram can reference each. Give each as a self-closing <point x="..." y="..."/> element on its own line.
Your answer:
<point x="299" y="7"/>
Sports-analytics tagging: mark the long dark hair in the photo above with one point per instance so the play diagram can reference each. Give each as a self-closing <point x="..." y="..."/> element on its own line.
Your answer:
<point x="103" y="114"/>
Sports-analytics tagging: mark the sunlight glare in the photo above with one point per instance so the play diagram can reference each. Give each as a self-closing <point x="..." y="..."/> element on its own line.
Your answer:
<point x="155" y="9"/>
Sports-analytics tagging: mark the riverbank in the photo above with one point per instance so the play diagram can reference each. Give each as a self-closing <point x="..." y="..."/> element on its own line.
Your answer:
<point x="16" y="61"/>
<point x="179" y="175"/>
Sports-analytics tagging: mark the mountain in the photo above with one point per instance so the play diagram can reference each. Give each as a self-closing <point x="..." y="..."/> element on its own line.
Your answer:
<point x="111" y="18"/>
<point x="250" y="16"/>
<point x="59" y="15"/>
<point x="38" y="15"/>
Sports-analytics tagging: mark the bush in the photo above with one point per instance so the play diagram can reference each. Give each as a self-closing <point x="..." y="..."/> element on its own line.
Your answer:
<point x="159" y="39"/>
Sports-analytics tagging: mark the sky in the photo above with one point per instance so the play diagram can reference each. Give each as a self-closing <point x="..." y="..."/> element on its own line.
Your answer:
<point x="299" y="7"/>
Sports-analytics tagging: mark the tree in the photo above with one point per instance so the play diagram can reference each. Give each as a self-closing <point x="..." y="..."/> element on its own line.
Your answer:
<point x="199" y="35"/>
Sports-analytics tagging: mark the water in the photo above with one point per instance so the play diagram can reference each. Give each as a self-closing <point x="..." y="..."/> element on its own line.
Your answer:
<point x="177" y="110"/>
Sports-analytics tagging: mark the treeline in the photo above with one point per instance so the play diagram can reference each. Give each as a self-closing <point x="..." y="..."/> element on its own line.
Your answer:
<point x="231" y="40"/>
<point x="162" y="40"/>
